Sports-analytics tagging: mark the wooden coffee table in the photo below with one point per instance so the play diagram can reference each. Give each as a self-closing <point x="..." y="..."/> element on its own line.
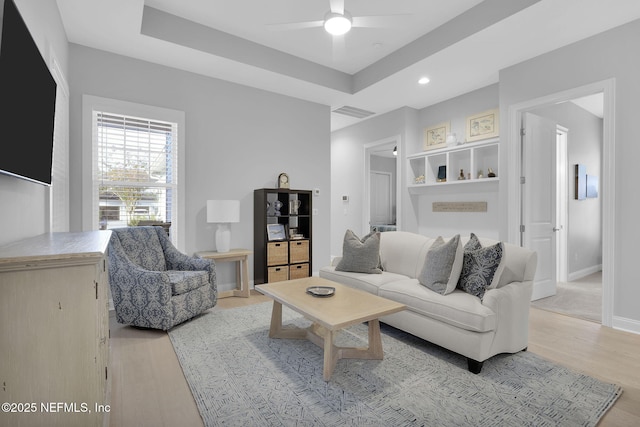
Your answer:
<point x="329" y="314"/>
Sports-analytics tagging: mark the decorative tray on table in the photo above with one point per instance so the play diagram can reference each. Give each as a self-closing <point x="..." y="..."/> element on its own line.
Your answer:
<point x="321" y="291"/>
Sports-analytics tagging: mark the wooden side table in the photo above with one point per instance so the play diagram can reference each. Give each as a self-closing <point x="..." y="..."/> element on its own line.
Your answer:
<point x="242" y="269"/>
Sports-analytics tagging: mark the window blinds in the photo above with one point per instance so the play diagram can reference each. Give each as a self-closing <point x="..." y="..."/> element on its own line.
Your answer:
<point x="135" y="172"/>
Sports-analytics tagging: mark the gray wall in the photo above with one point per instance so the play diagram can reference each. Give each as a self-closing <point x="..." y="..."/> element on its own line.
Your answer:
<point x="237" y="139"/>
<point x="348" y="163"/>
<point x="25" y="204"/>
<point x="347" y="170"/>
<point x="605" y="56"/>
<point x="584" y="146"/>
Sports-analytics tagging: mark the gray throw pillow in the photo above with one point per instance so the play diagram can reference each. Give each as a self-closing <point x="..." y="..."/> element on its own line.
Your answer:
<point x="360" y="255"/>
<point x="442" y="265"/>
<point x="479" y="268"/>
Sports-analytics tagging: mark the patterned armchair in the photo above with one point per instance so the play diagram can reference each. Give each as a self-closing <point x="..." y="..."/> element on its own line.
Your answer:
<point x="154" y="285"/>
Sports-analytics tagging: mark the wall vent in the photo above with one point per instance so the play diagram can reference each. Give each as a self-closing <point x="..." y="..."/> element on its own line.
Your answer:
<point x="353" y="112"/>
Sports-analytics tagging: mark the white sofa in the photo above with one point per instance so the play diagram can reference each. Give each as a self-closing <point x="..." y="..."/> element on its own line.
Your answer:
<point x="461" y="322"/>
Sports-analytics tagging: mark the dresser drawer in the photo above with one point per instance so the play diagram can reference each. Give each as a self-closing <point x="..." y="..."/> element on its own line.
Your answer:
<point x="299" y="251"/>
<point x="298" y="271"/>
<point x="277" y="253"/>
<point x="277" y="274"/>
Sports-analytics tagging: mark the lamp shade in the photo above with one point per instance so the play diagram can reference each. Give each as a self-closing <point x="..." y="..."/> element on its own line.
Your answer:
<point x="223" y="211"/>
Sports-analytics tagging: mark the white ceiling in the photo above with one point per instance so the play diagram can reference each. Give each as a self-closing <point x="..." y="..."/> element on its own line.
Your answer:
<point x="460" y="45"/>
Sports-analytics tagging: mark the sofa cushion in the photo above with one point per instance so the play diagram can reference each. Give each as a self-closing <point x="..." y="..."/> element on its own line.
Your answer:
<point x="479" y="268"/>
<point x="458" y="309"/>
<point x="403" y="252"/>
<point x="366" y="282"/>
<point x="185" y="281"/>
<point x="360" y="255"/>
<point x="442" y="265"/>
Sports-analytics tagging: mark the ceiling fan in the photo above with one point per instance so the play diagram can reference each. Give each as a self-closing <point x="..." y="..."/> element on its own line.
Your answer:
<point x="337" y="21"/>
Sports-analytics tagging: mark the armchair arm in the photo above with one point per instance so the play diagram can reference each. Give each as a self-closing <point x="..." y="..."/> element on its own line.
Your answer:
<point x="176" y="260"/>
<point x="511" y="304"/>
<point x="188" y="263"/>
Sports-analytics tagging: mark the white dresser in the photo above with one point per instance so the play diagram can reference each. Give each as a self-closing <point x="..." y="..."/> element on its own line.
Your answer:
<point x="54" y="330"/>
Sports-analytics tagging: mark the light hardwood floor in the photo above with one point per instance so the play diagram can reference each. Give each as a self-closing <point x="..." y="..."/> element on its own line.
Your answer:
<point x="149" y="389"/>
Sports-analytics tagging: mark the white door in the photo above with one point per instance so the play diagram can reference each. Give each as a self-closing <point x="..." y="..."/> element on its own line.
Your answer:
<point x="380" y="198"/>
<point x="539" y="199"/>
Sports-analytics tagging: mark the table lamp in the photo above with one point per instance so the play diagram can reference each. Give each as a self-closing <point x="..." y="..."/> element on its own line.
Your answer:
<point x="223" y="212"/>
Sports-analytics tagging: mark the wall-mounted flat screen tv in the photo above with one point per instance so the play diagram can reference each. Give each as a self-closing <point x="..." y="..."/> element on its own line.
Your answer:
<point x="28" y="99"/>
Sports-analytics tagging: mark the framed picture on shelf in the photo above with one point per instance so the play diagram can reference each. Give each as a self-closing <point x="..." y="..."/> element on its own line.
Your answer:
<point x="276" y="232"/>
<point x="436" y="136"/>
<point x="483" y="126"/>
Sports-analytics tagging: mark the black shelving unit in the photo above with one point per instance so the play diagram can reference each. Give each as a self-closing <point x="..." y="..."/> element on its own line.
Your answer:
<point x="289" y="258"/>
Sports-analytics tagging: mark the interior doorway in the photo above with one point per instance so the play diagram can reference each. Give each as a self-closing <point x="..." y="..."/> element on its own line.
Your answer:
<point x="381" y="207"/>
<point x="516" y="153"/>
<point x="578" y="291"/>
<point x="577" y="226"/>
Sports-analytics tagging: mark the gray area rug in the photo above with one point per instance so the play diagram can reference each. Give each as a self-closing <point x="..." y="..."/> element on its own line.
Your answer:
<point x="240" y="377"/>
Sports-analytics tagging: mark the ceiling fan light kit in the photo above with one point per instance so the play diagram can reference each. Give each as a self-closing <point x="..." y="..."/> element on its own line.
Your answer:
<point x="337" y="24"/>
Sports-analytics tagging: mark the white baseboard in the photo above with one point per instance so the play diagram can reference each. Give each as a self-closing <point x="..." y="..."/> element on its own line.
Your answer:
<point x="625" y="324"/>
<point x="577" y="275"/>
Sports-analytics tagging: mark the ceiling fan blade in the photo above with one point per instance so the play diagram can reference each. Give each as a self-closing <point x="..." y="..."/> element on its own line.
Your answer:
<point x="337" y="6"/>
<point x="295" y="25"/>
<point x="339" y="47"/>
<point x="378" y="20"/>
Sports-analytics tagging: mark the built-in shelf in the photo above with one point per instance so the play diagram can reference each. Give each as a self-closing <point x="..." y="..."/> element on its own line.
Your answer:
<point x="473" y="159"/>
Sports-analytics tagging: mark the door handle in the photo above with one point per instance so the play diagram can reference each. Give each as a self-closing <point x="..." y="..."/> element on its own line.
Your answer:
<point x="555" y="229"/>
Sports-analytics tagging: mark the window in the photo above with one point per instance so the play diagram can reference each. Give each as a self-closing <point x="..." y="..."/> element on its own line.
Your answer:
<point x="134" y="171"/>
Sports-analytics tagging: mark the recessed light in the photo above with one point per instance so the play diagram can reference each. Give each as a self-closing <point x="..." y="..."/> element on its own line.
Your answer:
<point x="423" y="80"/>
